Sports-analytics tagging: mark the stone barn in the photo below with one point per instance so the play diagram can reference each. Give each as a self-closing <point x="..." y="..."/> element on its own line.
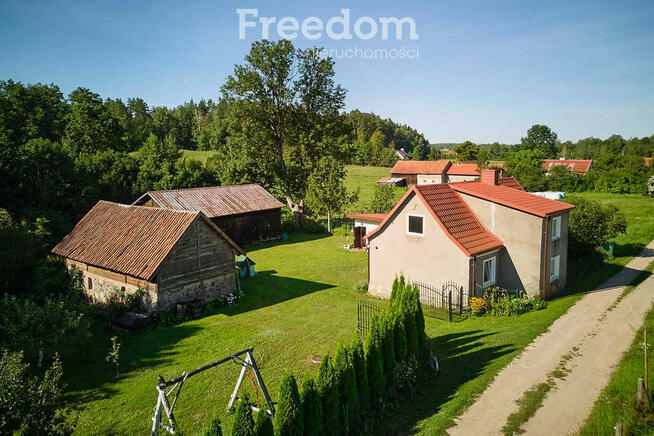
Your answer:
<point x="173" y="256"/>
<point x="246" y="213"/>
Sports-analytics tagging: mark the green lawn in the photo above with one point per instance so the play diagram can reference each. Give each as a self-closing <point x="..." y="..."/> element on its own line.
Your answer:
<point x="363" y="178"/>
<point x="302" y="303"/>
<point x="202" y="156"/>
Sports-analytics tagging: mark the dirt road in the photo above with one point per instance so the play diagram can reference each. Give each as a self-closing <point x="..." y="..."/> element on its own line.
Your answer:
<point x="592" y="335"/>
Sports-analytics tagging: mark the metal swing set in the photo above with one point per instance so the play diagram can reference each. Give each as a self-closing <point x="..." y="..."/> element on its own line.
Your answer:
<point x="165" y="406"/>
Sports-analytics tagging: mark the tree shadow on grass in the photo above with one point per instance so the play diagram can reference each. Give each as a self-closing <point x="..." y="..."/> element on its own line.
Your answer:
<point x="462" y="357"/>
<point x="293" y="238"/>
<point x="88" y="377"/>
<point x="267" y="289"/>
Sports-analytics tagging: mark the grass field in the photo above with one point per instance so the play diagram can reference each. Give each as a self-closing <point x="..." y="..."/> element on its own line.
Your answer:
<point x="302" y="303"/>
<point x="363" y="179"/>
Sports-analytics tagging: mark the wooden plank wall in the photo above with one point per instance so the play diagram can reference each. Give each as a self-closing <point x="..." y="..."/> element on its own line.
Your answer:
<point x="249" y="228"/>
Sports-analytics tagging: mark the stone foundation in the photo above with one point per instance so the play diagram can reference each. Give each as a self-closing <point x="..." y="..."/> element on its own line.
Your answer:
<point x="202" y="290"/>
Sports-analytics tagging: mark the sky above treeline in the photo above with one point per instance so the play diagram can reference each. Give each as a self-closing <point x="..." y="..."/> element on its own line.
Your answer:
<point x="481" y="71"/>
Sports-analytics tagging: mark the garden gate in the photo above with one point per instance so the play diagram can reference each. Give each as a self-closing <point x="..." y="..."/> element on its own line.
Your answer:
<point x="446" y="302"/>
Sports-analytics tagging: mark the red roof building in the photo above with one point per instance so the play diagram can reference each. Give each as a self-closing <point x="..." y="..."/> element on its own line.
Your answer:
<point x="463" y="169"/>
<point x="579" y="167"/>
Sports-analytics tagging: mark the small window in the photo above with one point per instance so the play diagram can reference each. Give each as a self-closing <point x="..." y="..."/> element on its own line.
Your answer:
<point x="489" y="271"/>
<point x="556" y="228"/>
<point x="415" y="224"/>
<point x="90" y="282"/>
<point x="554" y="268"/>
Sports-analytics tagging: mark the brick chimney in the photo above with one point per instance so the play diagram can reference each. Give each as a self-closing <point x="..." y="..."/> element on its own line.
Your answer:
<point x="489" y="177"/>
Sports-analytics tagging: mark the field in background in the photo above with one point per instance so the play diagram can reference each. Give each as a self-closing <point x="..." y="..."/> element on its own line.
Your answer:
<point x="363" y="178"/>
<point x="197" y="154"/>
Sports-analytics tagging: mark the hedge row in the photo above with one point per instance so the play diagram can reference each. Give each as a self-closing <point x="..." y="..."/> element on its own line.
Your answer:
<point x="353" y="386"/>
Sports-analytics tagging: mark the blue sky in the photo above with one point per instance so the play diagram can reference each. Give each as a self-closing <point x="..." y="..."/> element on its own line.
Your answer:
<point x="486" y="71"/>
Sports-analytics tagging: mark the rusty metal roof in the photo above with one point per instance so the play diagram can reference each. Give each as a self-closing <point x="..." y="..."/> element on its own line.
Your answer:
<point x="215" y="201"/>
<point x="131" y="240"/>
<point x="577" y="166"/>
<point x="420" y="167"/>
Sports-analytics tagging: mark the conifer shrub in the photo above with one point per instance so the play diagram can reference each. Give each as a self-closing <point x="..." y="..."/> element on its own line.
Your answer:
<point x="423" y="346"/>
<point x="328" y="390"/>
<point x="288" y="417"/>
<point x="361" y="373"/>
<point x="347" y="389"/>
<point x="395" y="291"/>
<point x="388" y="349"/>
<point x="243" y="420"/>
<point x="263" y="425"/>
<point x="400" y="337"/>
<point x="375" y="362"/>
<point x="312" y="408"/>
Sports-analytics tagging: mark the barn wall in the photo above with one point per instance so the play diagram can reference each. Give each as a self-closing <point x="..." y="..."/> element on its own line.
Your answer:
<point x="411" y="179"/>
<point x="199" y="267"/>
<point x="104" y="284"/>
<point x="252" y="227"/>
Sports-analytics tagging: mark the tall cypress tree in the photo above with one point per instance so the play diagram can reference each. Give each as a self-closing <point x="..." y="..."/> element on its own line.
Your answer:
<point x="243" y="421"/>
<point x="388" y="348"/>
<point x="312" y="408"/>
<point x="375" y="362"/>
<point x="328" y="390"/>
<point x="347" y="389"/>
<point x="288" y="417"/>
<point x="263" y="425"/>
<point x="423" y="347"/>
<point x="400" y="337"/>
<point x="361" y="372"/>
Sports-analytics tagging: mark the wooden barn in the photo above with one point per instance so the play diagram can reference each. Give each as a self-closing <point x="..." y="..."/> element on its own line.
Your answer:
<point x="173" y="256"/>
<point x="247" y="213"/>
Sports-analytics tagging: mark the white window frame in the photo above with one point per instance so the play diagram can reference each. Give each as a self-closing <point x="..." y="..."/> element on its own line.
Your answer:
<point x="423" y="224"/>
<point x="556" y="260"/>
<point x="556" y="228"/>
<point x="493" y="278"/>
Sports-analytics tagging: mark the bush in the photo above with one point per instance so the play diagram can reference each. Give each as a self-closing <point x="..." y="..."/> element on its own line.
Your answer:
<point x="400" y="337"/>
<point x="288" y="418"/>
<point x="501" y="302"/>
<point x="383" y="199"/>
<point x="328" y="390"/>
<point x="213" y="429"/>
<point x="388" y="348"/>
<point x="375" y="361"/>
<point x="347" y="389"/>
<point x="592" y="225"/>
<point x="361" y="373"/>
<point x="263" y="425"/>
<point x="477" y="306"/>
<point x="31" y="405"/>
<point x="243" y="421"/>
<point x="312" y="408"/>
<point x="311" y="226"/>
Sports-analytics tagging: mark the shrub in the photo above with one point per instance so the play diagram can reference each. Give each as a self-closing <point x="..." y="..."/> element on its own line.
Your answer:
<point x="400" y="337"/>
<point x="388" y="348"/>
<point x="477" y="306"/>
<point x="213" y="428"/>
<point x="592" y="225"/>
<point x="328" y="390"/>
<point x="263" y="425"/>
<point x="243" y="420"/>
<point x="423" y="351"/>
<point x="361" y="373"/>
<point x="312" y="408"/>
<point x="347" y="389"/>
<point x="375" y="361"/>
<point x="383" y="199"/>
<point x="288" y="418"/>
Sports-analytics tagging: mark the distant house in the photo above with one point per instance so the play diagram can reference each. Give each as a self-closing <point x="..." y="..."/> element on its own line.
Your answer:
<point x="402" y="155"/>
<point x="393" y="181"/>
<point x="477" y="233"/>
<point x="369" y="221"/>
<point x="246" y="213"/>
<point x="172" y="255"/>
<point x="578" y="167"/>
<point x="419" y="172"/>
<point x="462" y="172"/>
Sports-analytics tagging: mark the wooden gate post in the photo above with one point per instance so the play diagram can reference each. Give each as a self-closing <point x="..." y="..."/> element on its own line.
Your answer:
<point x="449" y="298"/>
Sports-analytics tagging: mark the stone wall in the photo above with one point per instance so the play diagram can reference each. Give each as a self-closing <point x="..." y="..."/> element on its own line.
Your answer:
<point x="203" y="291"/>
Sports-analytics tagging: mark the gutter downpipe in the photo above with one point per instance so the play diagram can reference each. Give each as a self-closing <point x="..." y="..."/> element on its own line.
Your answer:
<point x="474" y="262"/>
<point x="544" y="279"/>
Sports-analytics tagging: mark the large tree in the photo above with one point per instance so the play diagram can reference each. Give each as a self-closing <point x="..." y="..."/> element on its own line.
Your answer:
<point x="540" y="137"/>
<point x="467" y="151"/>
<point x="285" y="104"/>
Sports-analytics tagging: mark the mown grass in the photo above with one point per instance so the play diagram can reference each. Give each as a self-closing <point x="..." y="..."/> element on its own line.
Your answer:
<point x="200" y="155"/>
<point x="363" y="178"/>
<point x="617" y="402"/>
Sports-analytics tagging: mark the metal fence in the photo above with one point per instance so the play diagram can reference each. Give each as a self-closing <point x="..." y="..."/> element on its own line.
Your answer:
<point x="447" y="302"/>
<point x="365" y="313"/>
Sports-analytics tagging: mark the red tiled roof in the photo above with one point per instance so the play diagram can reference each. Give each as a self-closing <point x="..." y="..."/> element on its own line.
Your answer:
<point x="215" y="201"/>
<point x="648" y="161"/>
<point x="420" y="167"/>
<point x="512" y="198"/>
<point x="576" y="166"/>
<point x="463" y="169"/>
<point x="131" y="240"/>
<point x="383" y="179"/>
<point x="509" y="182"/>
<point x="376" y="217"/>
<point x="456" y="219"/>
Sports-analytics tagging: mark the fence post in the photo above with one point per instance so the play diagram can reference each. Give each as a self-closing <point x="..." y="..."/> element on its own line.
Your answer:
<point x="461" y="301"/>
<point x="449" y="298"/>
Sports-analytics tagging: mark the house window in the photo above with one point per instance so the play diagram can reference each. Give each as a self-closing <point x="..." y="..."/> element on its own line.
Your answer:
<point x="554" y="268"/>
<point x="415" y="225"/>
<point x="556" y="228"/>
<point x="90" y="282"/>
<point x="489" y="271"/>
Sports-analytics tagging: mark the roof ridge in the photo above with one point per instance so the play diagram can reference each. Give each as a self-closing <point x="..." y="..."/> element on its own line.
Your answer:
<point x="202" y="187"/>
